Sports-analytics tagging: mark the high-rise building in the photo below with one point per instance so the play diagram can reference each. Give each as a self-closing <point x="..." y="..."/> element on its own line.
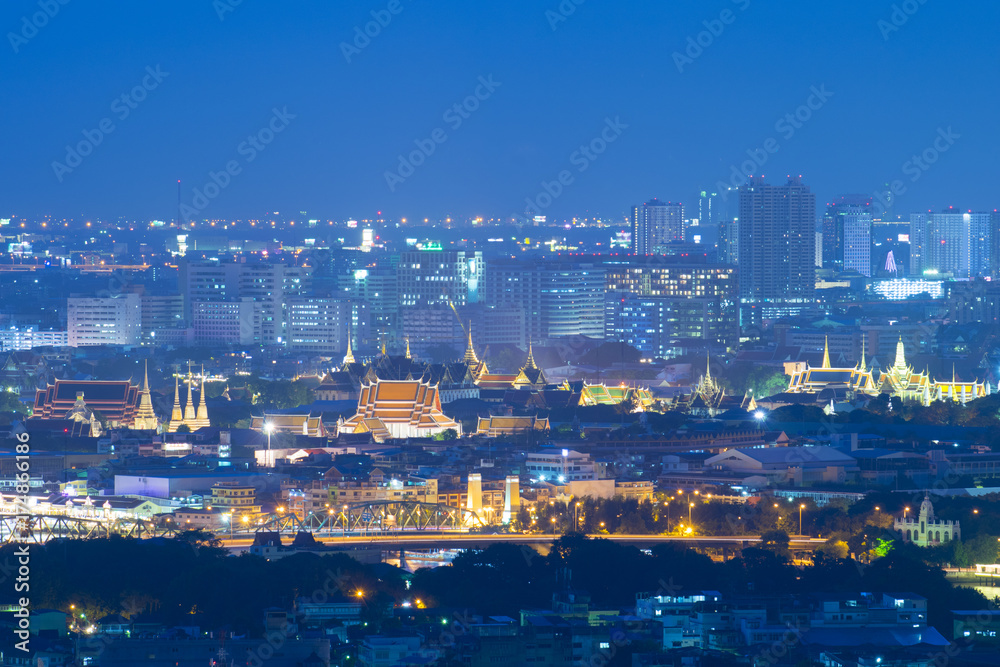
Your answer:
<point x="687" y="300"/>
<point x="833" y="228"/>
<point x="269" y="284"/>
<point x="111" y="320"/>
<point x="706" y="214"/>
<point x="857" y="229"/>
<point x="232" y="322"/>
<point x="160" y="311"/>
<point x="957" y="244"/>
<point x="428" y="277"/>
<point x="656" y="224"/>
<point x="558" y="298"/>
<point x="777" y="242"/>
<point x="377" y="286"/>
<point x="322" y="325"/>
<point x="729" y="241"/>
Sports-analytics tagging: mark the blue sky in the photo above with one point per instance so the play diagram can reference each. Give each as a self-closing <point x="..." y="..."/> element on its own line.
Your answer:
<point x="559" y="81"/>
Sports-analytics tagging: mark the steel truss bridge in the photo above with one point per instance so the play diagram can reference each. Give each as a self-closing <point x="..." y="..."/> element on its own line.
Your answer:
<point x="40" y="528"/>
<point x="375" y="517"/>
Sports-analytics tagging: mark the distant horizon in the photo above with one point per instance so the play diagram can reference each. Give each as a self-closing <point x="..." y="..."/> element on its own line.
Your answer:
<point x="446" y="110"/>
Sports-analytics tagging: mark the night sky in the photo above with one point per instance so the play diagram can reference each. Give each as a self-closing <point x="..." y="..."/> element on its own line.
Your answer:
<point x="561" y="84"/>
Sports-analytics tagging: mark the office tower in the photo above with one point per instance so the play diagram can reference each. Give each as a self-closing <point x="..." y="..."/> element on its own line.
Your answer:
<point x="706" y="208"/>
<point x="656" y="224"/>
<point x="729" y="241"/>
<point x="559" y="298"/>
<point x="428" y="277"/>
<point x="159" y="312"/>
<point x="322" y="325"/>
<point x="643" y="322"/>
<point x="951" y="243"/>
<point x="377" y="286"/>
<point x="857" y="244"/>
<point x="692" y="301"/>
<point x="833" y="228"/>
<point x="269" y="284"/>
<point x="111" y="320"/>
<point x="777" y="241"/>
<point x="231" y="322"/>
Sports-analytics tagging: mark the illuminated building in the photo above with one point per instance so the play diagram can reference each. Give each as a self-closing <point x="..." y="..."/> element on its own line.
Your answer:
<point x="677" y="299"/>
<point x="438" y="276"/>
<point x="301" y="424"/>
<point x="656" y="224"/>
<point x="399" y="409"/>
<point x="235" y="497"/>
<point x="497" y="426"/>
<point x="857" y="223"/>
<point x="925" y="529"/>
<point x="558" y="297"/>
<point x="112" y="320"/>
<point x="117" y="401"/>
<point x="950" y="243"/>
<point x="900" y="289"/>
<point x="814" y="380"/>
<point x="776" y="255"/>
<point x="639" y="398"/>
<point x="270" y="285"/>
<point x="839" y="225"/>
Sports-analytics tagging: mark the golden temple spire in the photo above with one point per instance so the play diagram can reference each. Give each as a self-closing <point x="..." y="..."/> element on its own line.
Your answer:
<point x="408" y="347"/>
<point x="470" y="350"/>
<point x="826" y="353"/>
<point x="530" y="363"/>
<point x="864" y="366"/>
<point x="176" y="416"/>
<point x="189" y="413"/>
<point x="349" y="357"/>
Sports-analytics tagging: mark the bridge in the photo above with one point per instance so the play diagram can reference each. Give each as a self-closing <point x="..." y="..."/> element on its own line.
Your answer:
<point x="377" y="515"/>
<point x="40" y="528"/>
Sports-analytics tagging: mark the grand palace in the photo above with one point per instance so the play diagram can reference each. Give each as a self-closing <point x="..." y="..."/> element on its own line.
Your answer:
<point x="900" y="380"/>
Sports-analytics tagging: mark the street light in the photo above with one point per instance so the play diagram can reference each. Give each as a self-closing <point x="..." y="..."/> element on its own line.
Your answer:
<point x="268" y="427"/>
<point x="690" y="505"/>
<point x="576" y="520"/>
<point x="801" y="507"/>
<point x="905" y="510"/>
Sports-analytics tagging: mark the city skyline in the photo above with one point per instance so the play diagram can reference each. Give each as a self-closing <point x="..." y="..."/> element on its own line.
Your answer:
<point x="319" y="117"/>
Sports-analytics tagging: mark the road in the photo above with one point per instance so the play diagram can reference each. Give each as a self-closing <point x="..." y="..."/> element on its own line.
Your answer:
<point x="462" y="540"/>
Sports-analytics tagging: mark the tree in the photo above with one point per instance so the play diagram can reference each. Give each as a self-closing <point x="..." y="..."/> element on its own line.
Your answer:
<point x="834" y="548"/>
<point x="608" y="354"/>
<point x="10" y="402"/>
<point x="777" y="542"/>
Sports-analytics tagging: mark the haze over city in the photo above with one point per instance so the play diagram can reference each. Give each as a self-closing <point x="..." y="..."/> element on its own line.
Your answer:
<point x="561" y="71"/>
